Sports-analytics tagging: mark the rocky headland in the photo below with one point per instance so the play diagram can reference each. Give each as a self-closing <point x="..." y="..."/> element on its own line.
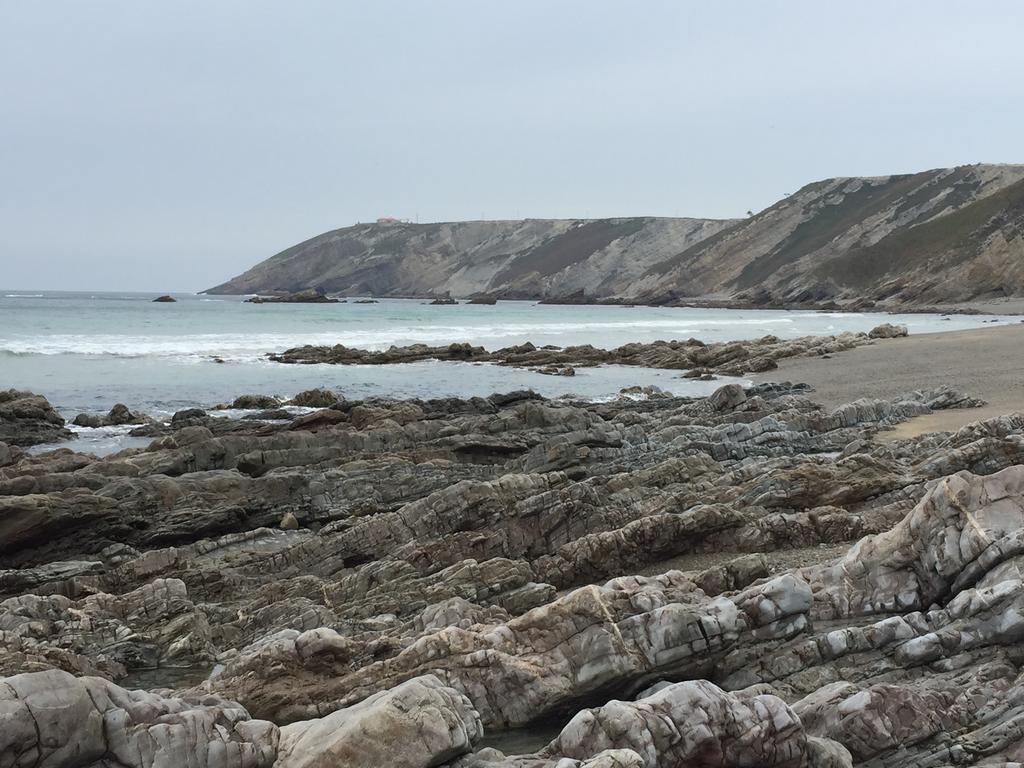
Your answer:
<point x="746" y="579"/>
<point x="918" y="240"/>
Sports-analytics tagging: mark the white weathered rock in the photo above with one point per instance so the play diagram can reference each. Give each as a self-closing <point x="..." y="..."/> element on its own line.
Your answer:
<point x="417" y="724"/>
<point x="54" y="720"/>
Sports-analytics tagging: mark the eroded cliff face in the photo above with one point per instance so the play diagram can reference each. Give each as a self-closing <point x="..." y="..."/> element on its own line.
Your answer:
<point x="530" y="258"/>
<point x="943" y="235"/>
<point x="948" y="234"/>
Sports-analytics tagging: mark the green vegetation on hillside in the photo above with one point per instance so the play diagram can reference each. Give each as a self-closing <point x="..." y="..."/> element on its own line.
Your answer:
<point x="955" y="238"/>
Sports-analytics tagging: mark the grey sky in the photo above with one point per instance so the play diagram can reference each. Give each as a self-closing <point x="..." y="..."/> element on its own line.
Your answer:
<point x="170" y="145"/>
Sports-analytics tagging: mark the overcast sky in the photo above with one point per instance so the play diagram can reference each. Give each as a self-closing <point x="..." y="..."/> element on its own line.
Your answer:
<point x="171" y="145"/>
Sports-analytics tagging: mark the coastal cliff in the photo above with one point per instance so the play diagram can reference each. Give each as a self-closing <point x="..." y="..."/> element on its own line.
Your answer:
<point x="943" y="235"/>
<point x="531" y="258"/>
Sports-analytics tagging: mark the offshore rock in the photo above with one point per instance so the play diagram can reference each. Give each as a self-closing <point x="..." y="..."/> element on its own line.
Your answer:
<point x="732" y="358"/>
<point x="119" y="415"/>
<point x="311" y="296"/>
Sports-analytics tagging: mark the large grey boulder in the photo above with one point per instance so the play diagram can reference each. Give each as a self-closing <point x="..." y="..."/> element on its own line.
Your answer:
<point x="692" y="724"/>
<point x="54" y="720"/>
<point x="417" y="724"/>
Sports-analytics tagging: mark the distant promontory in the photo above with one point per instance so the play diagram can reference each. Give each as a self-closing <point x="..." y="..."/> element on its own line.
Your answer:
<point x="935" y="237"/>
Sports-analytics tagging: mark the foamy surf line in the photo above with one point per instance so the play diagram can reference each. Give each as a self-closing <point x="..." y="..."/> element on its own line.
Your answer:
<point x="257" y="345"/>
<point x="254" y="347"/>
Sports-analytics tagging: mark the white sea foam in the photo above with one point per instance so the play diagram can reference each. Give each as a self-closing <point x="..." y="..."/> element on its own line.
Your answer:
<point x="250" y="347"/>
<point x="23" y="295"/>
<point x="247" y="342"/>
<point x="101" y="441"/>
<point x="115" y="430"/>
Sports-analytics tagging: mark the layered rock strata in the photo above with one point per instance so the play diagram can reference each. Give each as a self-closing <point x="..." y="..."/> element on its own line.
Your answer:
<point x="732" y="358"/>
<point x="743" y="579"/>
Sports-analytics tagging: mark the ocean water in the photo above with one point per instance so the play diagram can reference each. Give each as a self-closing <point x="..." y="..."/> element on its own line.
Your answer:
<point x="87" y="351"/>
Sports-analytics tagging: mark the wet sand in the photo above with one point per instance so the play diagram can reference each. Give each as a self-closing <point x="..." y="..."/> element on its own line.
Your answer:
<point x="983" y="362"/>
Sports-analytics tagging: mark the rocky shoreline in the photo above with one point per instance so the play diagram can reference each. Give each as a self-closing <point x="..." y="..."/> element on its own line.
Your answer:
<point x="732" y="358"/>
<point x="758" y="301"/>
<point x="400" y="582"/>
<point x="1011" y="305"/>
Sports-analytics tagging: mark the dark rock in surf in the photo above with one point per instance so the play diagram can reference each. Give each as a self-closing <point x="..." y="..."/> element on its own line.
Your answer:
<point x="272" y="414"/>
<point x="311" y="296"/>
<point x="248" y="402"/>
<point x="119" y="415"/>
<point x="316" y="398"/>
<point x="733" y="358"/>
<point x="28" y="419"/>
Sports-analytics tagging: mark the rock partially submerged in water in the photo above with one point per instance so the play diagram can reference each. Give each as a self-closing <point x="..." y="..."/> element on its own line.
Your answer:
<point x="316" y="398"/>
<point x="28" y="419"/>
<point x="270" y="414"/>
<point x="646" y="391"/>
<point x="119" y="415"/>
<point x="311" y="296"/>
<point x="732" y="358"/>
<point x="254" y="402"/>
<point x="165" y="299"/>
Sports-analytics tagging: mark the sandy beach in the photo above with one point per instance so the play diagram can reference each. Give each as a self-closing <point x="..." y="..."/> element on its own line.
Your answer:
<point x="986" y="363"/>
